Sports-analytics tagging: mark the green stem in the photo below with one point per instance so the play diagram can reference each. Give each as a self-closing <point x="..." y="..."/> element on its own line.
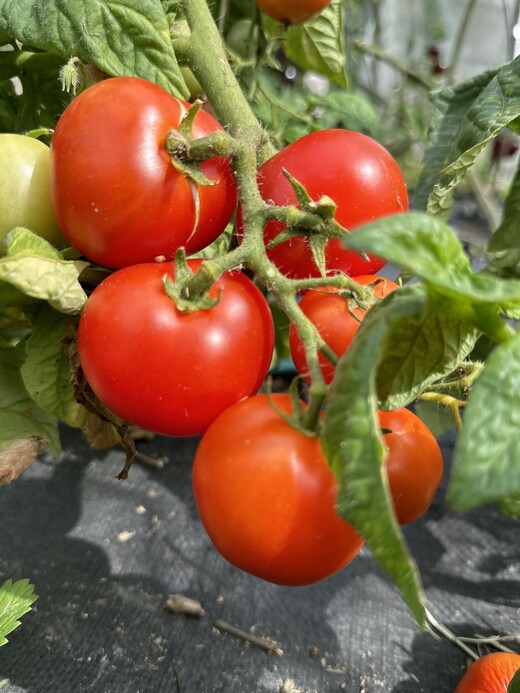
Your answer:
<point x="459" y="39"/>
<point x="453" y="404"/>
<point x="207" y="58"/>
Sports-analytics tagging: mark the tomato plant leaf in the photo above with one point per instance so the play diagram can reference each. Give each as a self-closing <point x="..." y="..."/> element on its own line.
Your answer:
<point x="420" y="350"/>
<point x="348" y="109"/>
<point x="353" y="446"/>
<point x="21" y="418"/>
<point x="427" y="248"/>
<point x="494" y="108"/>
<point x="485" y="462"/>
<point x="451" y="106"/>
<point x="507" y="236"/>
<point x="319" y="45"/>
<point x="46" y="372"/>
<point x="119" y="37"/>
<point x="16" y="599"/>
<point x="34" y="269"/>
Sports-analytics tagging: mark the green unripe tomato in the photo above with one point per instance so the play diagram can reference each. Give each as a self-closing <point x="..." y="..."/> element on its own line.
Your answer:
<point x="24" y="189"/>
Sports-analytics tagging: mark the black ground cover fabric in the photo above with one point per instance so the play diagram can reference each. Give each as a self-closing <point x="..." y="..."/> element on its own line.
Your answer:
<point x="105" y="554"/>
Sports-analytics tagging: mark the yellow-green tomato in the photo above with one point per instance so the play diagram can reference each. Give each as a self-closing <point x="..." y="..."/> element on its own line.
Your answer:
<point x="24" y="189"/>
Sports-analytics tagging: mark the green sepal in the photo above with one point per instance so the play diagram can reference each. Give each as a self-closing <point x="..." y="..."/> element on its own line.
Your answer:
<point x="180" y="288"/>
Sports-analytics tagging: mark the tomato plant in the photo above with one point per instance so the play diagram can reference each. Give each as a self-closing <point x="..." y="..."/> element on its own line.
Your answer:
<point x="355" y="171"/>
<point x="336" y="319"/>
<point x="24" y="188"/>
<point x="413" y="463"/>
<point x="492" y="673"/>
<point x="116" y="195"/>
<point x="292" y="11"/>
<point x="168" y="371"/>
<point x="158" y="358"/>
<point x="267" y="496"/>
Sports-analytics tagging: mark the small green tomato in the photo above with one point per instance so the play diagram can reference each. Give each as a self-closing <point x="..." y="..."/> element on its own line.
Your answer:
<point x="24" y="189"/>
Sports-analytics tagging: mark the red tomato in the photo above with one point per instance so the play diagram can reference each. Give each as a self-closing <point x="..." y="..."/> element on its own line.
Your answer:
<point x="167" y="371"/>
<point x="293" y="11"/>
<point x="492" y="673"/>
<point x="355" y="171"/>
<point x="336" y="322"/>
<point x="413" y="463"/>
<point x="267" y="496"/>
<point x="116" y="195"/>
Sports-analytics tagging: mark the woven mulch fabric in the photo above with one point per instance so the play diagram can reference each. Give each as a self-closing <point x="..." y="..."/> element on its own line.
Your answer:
<point x="105" y="554"/>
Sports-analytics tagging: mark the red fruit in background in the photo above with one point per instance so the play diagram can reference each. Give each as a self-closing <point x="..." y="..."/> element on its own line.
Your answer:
<point x="335" y="320"/>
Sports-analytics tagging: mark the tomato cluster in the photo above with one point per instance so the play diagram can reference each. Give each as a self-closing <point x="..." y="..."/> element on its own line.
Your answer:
<point x="265" y="492"/>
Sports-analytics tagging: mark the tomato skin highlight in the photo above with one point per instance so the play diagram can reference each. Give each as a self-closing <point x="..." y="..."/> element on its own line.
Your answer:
<point x="355" y="171"/>
<point x="492" y="673"/>
<point x="293" y="11"/>
<point x="267" y="496"/>
<point x="167" y="371"/>
<point x="335" y="321"/>
<point x="115" y="193"/>
<point x="414" y="463"/>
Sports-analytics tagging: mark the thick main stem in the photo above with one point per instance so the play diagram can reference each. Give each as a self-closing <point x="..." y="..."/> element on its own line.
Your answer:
<point x="207" y="58"/>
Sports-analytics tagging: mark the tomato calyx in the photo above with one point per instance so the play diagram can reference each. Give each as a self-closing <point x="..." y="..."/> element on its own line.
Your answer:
<point x="298" y="419"/>
<point x="188" y="295"/>
<point x="187" y="153"/>
<point x="313" y="219"/>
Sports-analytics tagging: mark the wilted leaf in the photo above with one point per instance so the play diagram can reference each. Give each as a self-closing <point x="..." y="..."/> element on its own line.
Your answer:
<point x="18" y="456"/>
<point x="34" y="270"/>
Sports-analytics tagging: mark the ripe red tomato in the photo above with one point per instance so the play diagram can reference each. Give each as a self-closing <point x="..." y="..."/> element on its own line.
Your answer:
<point x="354" y="170"/>
<point x="116" y="195"/>
<point x="293" y="11"/>
<point x="167" y="371"/>
<point x="492" y="673"/>
<point x="267" y="496"/>
<point x="413" y="463"/>
<point x="335" y="320"/>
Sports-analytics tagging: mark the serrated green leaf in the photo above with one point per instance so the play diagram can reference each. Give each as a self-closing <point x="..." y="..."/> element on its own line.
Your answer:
<point x="494" y="107"/>
<point x="33" y="269"/>
<point x="507" y="236"/>
<point x="15" y="601"/>
<point x="428" y="249"/>
<point x="319" y="45"/>
<point x="451" y="106"/>
<point x="20" y="417"/>
<point x="354" y="448"/>
<point x="485" y="463"/>
<point x="425" y="347"/>
<point x="46" y="372"/>
<point x="120" y="37"/>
